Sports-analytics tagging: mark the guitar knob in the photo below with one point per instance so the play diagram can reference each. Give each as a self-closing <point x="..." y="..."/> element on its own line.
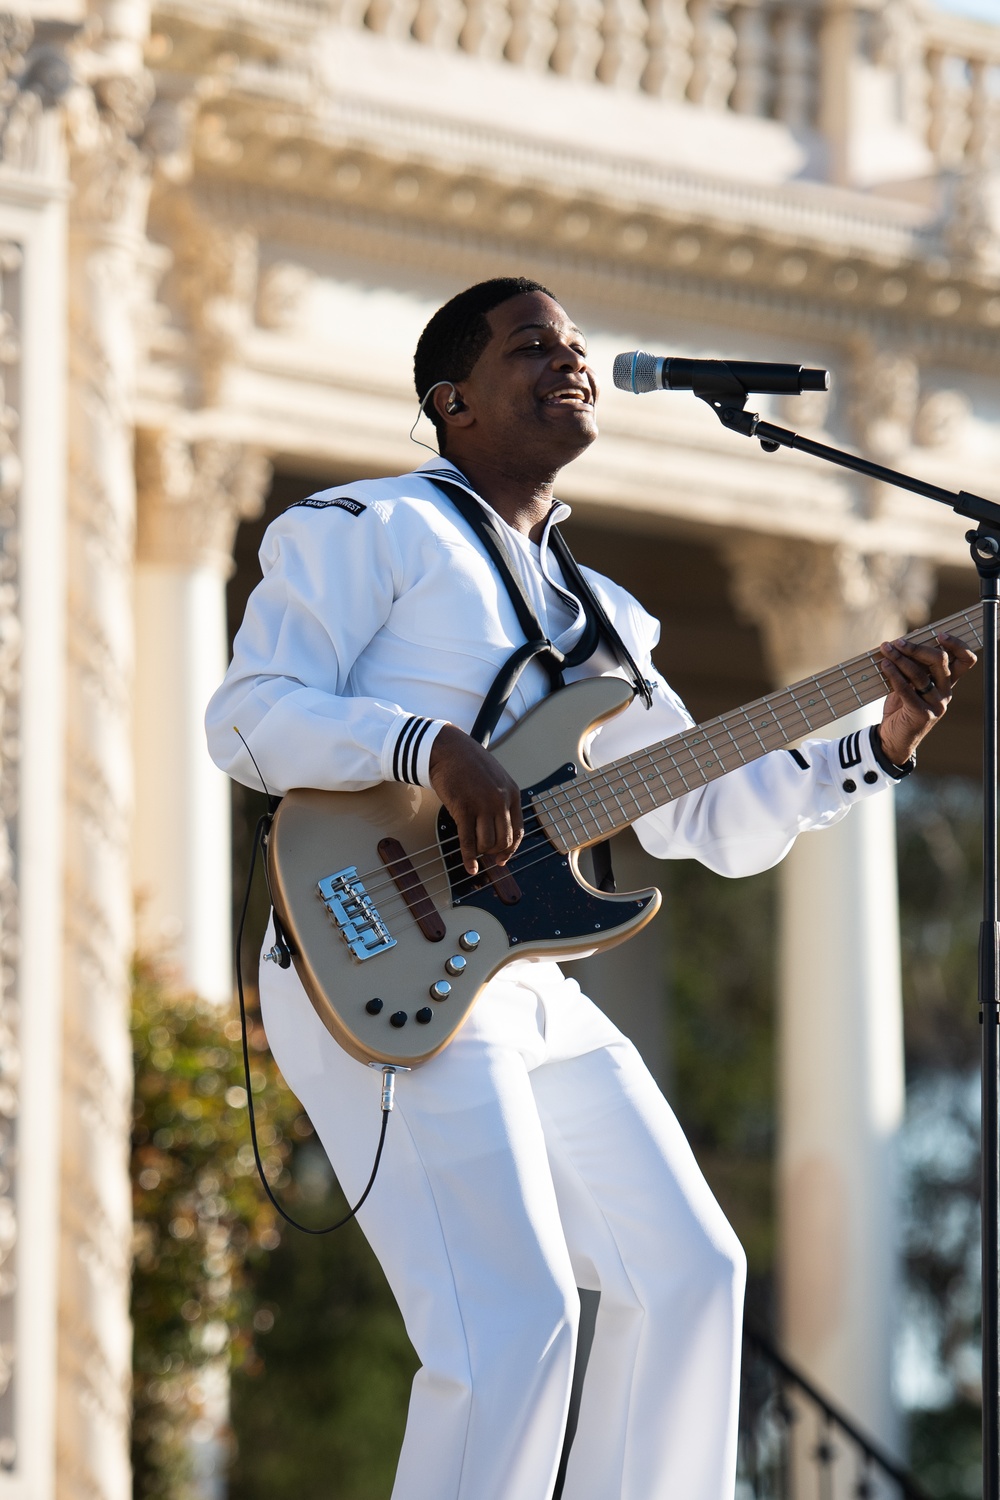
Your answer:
<point x="469" y="941"/>
<point x="373" y="1007"/>
<point x="440" y="990"/>
<point x="456" y="964"/>
<point x="425" y="1014"/>
<point x="398" y="1018"/>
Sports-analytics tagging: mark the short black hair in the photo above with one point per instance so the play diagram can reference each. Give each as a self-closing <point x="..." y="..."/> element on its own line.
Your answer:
<point x="458" y="333"/>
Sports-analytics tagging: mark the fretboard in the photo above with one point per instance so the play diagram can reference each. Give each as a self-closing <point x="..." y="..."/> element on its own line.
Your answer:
<point x="603" y="802"/>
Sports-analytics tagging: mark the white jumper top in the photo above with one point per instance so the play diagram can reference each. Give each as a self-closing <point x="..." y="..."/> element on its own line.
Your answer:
<point x="379" y="618"/>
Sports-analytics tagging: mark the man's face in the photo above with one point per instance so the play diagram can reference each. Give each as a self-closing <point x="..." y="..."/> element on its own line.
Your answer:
<point x="531" y="392"/>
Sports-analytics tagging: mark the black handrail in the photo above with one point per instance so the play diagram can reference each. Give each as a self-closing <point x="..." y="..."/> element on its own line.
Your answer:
<point x="790" y="1376"/>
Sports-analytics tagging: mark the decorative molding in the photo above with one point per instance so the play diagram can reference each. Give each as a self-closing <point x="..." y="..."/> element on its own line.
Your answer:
<point x="10" y="853"/>
<point x="110" y="174"/>
<point x="210" y="287"/>
<point x="817" y="605"/>
<point x="35" y="76"/>
<point x="384" y="238"/>
<point x="193" y="496"/>
<point x="885" y="390"/>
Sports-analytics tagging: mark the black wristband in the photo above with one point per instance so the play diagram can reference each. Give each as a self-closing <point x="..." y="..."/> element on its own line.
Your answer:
<point x="889" y="767"/>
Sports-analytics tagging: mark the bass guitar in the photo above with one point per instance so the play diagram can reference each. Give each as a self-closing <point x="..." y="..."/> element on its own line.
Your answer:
<point x="393" y="939"/>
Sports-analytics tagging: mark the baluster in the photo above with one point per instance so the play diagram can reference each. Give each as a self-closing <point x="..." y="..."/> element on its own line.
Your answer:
<point x="532" y="33"/>
<point x="983" y="112"/>
<point x="754" y="87"/>
<point x="949" y="125"/>
<point x="797" y="66"/>
<point x="713" y="74"/>
<point x="668" y="43"/>
<point x="624" y="56"/>
<point x="392" y="18"/>
<point x="438" y="23"/>
<point x="487" y="27"/>
<point x="578" y="37"/>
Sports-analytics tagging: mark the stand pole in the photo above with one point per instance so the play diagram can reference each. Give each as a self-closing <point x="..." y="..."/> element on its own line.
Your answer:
<point x="985" y="550"/>
<point x="721" y="390"/>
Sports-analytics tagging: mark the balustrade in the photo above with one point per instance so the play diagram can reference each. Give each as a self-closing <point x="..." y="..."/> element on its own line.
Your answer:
<point x="796" y="1445"/>
<point x="755" y="57"/>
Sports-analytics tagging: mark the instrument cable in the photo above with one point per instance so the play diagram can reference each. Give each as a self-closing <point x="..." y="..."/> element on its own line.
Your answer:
<point x="388" y="1071"/>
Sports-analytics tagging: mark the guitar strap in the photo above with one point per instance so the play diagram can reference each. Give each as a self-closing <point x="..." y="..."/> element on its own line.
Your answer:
<point x="537" y="646"/>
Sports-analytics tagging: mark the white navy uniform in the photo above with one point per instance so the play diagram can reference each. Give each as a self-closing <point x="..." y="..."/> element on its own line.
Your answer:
<point x="535" y="1154"/>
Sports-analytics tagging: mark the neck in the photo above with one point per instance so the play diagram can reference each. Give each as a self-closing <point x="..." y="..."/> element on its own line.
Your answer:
<point x="522" y="499"/>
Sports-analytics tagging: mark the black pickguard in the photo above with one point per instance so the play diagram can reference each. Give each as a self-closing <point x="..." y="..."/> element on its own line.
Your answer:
<point x="553" y="904"/>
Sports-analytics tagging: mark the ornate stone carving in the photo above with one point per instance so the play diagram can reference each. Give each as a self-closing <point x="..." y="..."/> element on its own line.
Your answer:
<point x="886" y="387"/>
<point x="973" y="220"/>
<point x="10" y="668"/>
<point x="941" y="419"/>
<point x="35" y="74"/>
<point x="107" y="221"/>
<point x="192" y="497"/>
<point x="818" y="605"/>
<point x="280" y="290"/>
<point x="211" y="284"/>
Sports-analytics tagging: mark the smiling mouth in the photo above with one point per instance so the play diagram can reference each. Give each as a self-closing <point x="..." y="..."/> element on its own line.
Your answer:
<point x="568" y="395"/>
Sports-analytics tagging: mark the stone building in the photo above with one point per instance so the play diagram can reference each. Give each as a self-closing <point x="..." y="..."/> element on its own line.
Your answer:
<point x="222" y="225"/>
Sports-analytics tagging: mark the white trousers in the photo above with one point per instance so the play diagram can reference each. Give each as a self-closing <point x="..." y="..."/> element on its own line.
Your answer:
<point x="532" y="1156"/>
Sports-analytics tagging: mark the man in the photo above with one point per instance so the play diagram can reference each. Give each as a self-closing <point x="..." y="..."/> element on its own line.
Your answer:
<point x="535" y="1154"/>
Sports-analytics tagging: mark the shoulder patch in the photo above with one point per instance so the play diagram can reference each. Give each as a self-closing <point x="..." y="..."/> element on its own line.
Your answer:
<point x="343" y="502"/>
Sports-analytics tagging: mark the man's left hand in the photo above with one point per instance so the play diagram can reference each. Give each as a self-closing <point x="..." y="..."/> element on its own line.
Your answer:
<point x="921" y="680"/>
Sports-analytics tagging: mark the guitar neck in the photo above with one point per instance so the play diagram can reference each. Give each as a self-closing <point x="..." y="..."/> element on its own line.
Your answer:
<point x="605" y="801"/>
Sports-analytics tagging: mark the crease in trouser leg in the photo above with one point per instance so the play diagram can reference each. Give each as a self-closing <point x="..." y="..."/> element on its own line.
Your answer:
<point x="659" y="1409"/>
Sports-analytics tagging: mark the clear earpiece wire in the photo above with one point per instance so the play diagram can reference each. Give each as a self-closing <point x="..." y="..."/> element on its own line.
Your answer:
<point x="422" y="413"/>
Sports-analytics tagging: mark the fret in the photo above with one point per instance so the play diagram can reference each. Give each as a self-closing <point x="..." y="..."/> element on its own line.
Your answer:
<point x="850" y="683"/>
<point x="724" y="724"/>
<point x="756" y="733"/>
<point x="823" y="695"/>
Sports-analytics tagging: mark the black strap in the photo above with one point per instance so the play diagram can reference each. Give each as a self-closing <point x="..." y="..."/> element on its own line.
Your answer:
<point x="537" y="645"/>
<point x="576" y="581"/>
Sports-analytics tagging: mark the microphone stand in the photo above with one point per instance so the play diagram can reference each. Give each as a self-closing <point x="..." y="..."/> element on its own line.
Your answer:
<point x="724" y="393"/>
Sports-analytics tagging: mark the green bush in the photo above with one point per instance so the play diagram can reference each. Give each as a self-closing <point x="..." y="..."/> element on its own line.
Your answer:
<point x="202" y="1226"/>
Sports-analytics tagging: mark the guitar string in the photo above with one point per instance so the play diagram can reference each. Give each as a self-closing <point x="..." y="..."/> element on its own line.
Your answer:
<point x="560" y="800"/>
<point x="565" y="802"/>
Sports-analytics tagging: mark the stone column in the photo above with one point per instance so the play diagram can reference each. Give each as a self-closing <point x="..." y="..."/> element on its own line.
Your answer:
<point x="107" y="217"/>
<point x="192" y="497"/>
<point x="840" y="1006"/>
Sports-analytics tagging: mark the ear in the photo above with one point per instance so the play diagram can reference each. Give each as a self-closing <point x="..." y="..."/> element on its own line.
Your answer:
<point x="450" y="407"/>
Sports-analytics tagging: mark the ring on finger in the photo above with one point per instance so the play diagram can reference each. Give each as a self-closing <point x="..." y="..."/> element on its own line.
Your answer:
<point x="928" y="686"/>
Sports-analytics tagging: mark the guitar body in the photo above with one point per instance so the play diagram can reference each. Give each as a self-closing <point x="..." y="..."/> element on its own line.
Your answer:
<point x="359" y="938"/>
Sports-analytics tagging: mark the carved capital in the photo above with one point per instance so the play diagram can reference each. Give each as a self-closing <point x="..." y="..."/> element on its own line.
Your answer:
<point x="817" y="605"/>
<point x="211" y="285"/>
<point x="972" y="232"/>
<point x="193" y="496"/>
<point x="105" y="121"/>
<point x="35" y="75"/>
<point x="885" y="391"/>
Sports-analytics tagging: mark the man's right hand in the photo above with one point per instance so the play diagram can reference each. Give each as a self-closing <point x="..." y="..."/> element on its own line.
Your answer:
<point x="484" y="801"/>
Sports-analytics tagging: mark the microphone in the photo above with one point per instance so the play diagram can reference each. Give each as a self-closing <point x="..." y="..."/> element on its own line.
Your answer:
<point x="638" y="372"/>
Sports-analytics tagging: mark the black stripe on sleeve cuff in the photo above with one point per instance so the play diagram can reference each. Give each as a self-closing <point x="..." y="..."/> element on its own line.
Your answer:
<point x="404" y="757"/>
